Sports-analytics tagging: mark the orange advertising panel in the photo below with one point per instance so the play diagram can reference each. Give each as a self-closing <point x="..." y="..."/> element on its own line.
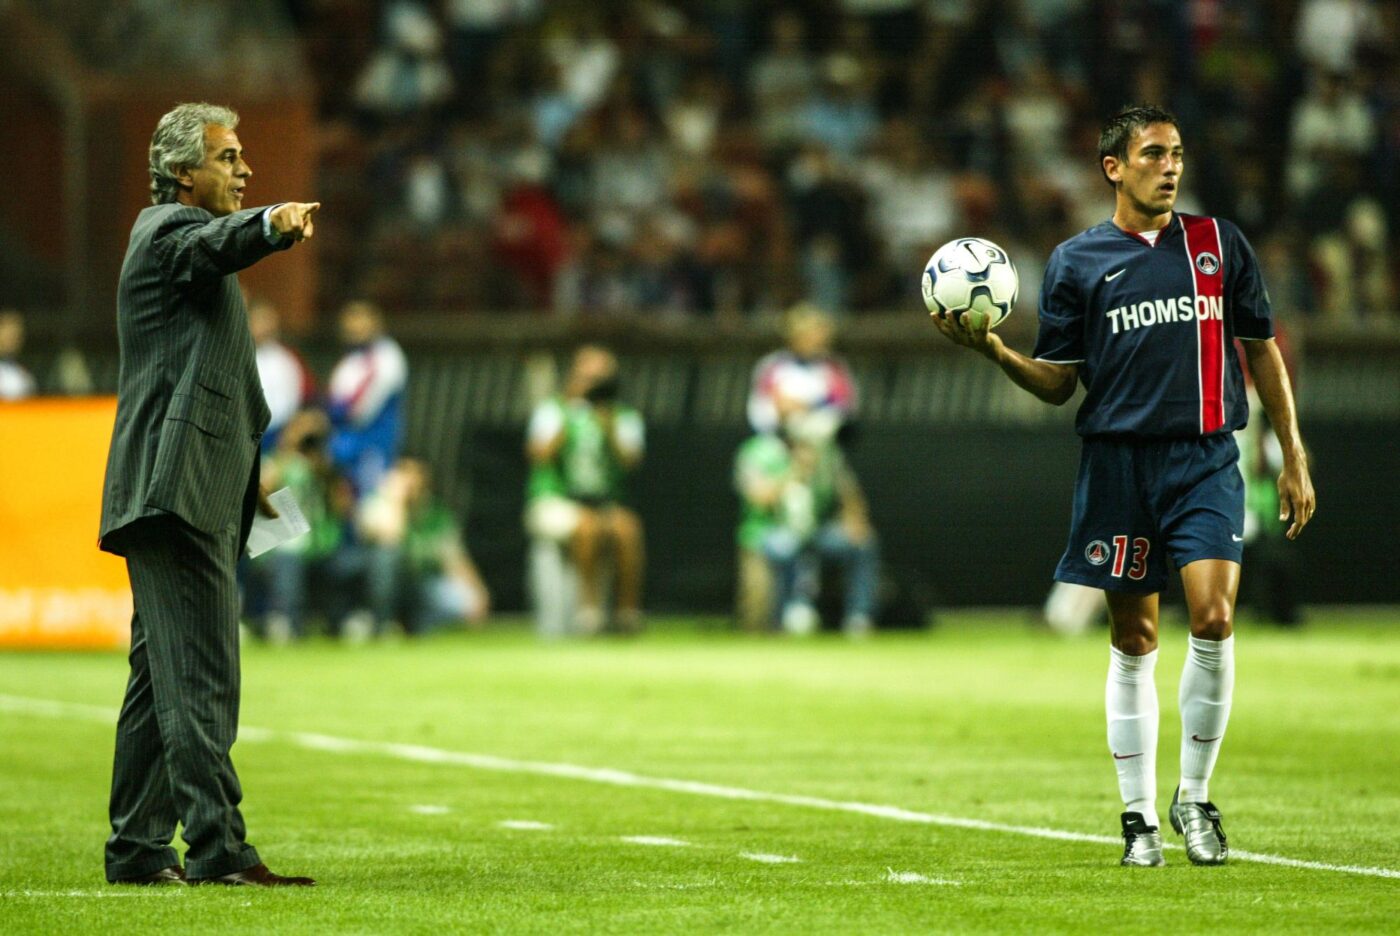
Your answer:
<point x="56" y="588"/>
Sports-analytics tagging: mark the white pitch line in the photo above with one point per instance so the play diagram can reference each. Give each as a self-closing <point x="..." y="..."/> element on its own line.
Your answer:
<point x="146" y="892"/>
<point x="525" y="825"/>
<point x="764" y="858"/>
<point x="660" y="840"/>
<point x="913" y="877"/>
<point x="429" y="809"/>
<point x="622" y="778"/>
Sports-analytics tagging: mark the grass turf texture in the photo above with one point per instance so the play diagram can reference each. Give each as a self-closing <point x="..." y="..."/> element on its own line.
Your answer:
<point x="981" y="718"/>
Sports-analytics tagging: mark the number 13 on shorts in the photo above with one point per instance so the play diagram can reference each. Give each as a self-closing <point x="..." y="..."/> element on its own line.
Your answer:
<point x="1141" y="546"/>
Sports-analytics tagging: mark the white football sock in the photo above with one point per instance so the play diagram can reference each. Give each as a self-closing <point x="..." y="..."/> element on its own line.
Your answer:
<point x="1130" y="700"/>
<point x="1207" y="685"/>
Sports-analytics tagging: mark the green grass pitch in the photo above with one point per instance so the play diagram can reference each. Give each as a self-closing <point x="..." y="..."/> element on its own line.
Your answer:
<point x="981" y="719"/>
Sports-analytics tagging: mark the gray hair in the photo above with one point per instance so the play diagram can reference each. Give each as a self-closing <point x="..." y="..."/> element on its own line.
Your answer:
<point x="178" y="143"/>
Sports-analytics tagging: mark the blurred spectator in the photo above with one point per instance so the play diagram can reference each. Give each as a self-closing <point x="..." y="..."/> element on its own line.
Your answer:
<point x="761" y="469"/>
<point x="366" y="398"/>
<point x="841" y="115"/>
<point x="1353" y="263"/>
<point x="582" y="446"/>
<point x="286" y="381"/>
<point x="1329" y="32"/>
<point x="781" y="79"/>
<point x="427" y="191"/>
<point x="419" y="572"/>
<point x="830" y="215"/>
<point x="806" y="508"/>
<point x="805" y="378"/>
<point x="16" y="383"/>
<point x="281" y="580"/>
<point x="584" y="53"/>
<point x="630" y="171"/>
<point x="407" y="74"/>
<point x="913" y="196"/>
<point x="1332" y="131"/>
<point x="531" y="237"/>
<point x="476" y="29"/>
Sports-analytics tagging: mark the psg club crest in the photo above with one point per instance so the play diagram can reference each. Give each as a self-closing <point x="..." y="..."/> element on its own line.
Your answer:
<point x="1207" y="262"/>
<point x="1097" y="551"/>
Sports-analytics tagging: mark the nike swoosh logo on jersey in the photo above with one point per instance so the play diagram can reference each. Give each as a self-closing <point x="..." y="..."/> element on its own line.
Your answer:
<point x="1113" y="276"/>
<point x="1238" y="539"/>
<point x="1203" y="740"/>
<point x="1126" y="756"/>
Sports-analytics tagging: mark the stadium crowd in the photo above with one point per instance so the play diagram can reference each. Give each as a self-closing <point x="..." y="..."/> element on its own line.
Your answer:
<point x="694" y="159"/>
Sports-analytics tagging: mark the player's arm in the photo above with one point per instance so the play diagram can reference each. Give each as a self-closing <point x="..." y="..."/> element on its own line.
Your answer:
<point x="1296" y="498"/>
<point x="1053" y="383"/>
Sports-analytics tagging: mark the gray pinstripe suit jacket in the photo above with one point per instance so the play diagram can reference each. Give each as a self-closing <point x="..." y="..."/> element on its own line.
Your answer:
<point x="190" y="408"/>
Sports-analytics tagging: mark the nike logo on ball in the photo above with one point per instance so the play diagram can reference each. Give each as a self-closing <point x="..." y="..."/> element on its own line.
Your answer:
<point x="1113" y="276"/>
<point x="1204" y="740"/>
<point x="1126" y="756"/>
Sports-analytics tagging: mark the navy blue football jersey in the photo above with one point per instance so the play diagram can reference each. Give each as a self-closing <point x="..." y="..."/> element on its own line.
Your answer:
<point x="1152" y="326"/>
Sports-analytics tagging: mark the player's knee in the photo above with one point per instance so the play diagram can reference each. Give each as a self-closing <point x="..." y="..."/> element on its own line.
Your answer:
<point x="1214" y="621"/>
<point x="1135" y="642"/>
<point x="1134" y="632"/>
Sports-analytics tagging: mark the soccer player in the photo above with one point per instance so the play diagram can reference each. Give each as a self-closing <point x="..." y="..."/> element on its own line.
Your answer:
<point x="1142" y="309"/>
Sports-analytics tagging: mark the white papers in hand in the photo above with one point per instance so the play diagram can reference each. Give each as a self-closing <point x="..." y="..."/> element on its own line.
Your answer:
<point x="268" y="532"/>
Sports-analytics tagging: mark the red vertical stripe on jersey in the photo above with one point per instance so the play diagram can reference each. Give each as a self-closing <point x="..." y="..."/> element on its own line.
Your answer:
<point x="1202" y="238"/>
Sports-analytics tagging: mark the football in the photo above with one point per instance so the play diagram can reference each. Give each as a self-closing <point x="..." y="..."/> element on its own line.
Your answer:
<point x="971" y="275"/>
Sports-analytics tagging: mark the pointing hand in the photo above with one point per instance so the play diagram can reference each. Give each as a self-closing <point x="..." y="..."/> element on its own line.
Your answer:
<point x="293" y="219"/>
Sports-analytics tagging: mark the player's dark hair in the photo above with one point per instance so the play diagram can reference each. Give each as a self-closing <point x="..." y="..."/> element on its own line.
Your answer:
<point x="1124" y="125"/>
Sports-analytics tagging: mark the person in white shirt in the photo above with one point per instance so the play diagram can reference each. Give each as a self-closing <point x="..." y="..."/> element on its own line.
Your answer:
<point x="285" y="380"/>
<point x="16" y="383"/>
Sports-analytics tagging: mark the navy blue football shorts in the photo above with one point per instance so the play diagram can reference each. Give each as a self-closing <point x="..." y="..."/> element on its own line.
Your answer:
<point x="1138" y="501"/>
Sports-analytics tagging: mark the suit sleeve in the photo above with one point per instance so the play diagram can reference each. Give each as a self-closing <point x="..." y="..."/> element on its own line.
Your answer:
<point x="193" y="247"/>
<point x="1061" y="337"/>
<point x="1251" y="313"/>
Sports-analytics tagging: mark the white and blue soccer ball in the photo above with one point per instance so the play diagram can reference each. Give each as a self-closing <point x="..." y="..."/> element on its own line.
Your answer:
<point x="971" y="275"/>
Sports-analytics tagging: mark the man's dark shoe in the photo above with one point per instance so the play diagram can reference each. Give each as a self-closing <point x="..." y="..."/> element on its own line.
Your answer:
<point x="256" y="876"/>
<point x="171" y="875"/>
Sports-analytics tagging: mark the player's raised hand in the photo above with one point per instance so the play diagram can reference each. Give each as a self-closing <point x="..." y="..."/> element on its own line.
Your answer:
<point x="293" y="219"/>
<point x="1296" y="498"/>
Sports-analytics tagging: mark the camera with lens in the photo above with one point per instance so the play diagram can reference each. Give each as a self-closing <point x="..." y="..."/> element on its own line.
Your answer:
<point x="604" y="391"/>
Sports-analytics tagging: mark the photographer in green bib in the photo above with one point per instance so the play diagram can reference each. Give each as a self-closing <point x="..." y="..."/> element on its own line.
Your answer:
<point x="583" y="444"/>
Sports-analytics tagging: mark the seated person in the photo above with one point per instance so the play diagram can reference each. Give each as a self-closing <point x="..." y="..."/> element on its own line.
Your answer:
<point x="808" y="507"/>
<point x="761" y="469"/>
<point x="280" y="579"/>
<point x="582" y="445"/>
<point x="418" y="570"/>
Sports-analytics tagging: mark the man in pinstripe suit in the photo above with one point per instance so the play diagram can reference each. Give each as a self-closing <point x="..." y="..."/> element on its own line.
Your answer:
<point x="179" y="497"/>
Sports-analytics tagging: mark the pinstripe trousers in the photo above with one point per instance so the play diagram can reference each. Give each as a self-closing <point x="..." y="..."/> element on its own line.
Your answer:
<point x="180" y="715"/>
